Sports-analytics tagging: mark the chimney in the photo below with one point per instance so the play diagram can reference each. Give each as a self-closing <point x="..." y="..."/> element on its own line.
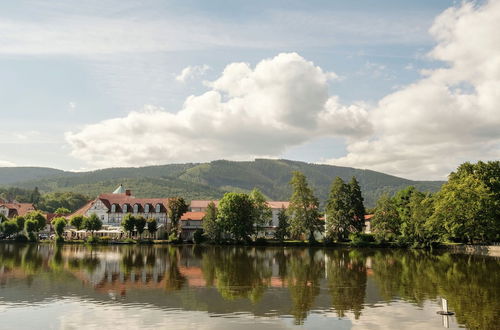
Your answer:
<point x="128" y="192"/>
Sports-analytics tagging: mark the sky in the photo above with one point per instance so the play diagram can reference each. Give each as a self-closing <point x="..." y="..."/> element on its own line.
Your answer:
<point x="409" y="88"/>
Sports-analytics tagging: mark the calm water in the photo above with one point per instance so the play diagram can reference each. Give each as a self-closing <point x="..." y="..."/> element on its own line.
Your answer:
<point x="130" y="287"/>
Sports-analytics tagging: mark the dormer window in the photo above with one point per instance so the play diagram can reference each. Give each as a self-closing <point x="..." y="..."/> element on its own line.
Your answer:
<point x="158" y="208"/>
<point x="136" y="208"/>
<point x="113" y="208"/>
<point x="125" y="208"/>
<point x="146" y="208"/>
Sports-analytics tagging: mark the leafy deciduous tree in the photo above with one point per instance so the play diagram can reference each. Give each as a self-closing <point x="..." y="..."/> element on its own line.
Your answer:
<point x="77" y="221"/>
<point x="128" y="223"/>
<point x="140" y="224"/>
<point x="236" y="215"/>
<point x="152" y="226"/>
<point x="176" y="208"/>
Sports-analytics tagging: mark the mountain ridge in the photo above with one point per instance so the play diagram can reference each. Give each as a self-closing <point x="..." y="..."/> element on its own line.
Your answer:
<point x="209" y="180"/>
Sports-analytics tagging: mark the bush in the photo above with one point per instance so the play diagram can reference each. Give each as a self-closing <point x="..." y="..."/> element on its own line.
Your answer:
<point x="129" y="240"/>
<point x="173" y="238"/>
<point x="361" y="239"/>
<point x="59" y="240"/>
<point x="198" y="236"/>
<point x="93" y="240"/>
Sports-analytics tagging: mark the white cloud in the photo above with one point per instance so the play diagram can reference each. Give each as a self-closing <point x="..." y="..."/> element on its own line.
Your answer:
<point x="5" y="163"/>
<point x="71" y="106"/>
<point x="249" y="112"/>
<point x="423" y="130"/>
<point x="452" y="114"/>
<point x="192" y="72"/>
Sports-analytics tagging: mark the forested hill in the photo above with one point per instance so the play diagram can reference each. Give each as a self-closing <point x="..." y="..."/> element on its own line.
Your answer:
<point x="208" y="180"/>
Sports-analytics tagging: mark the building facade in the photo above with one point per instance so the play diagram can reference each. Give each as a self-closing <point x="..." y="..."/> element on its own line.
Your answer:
<point x="14" y="209"/>
<point x="111" y="208"/>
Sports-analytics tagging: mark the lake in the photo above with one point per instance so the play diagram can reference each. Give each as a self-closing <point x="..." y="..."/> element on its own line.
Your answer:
<point x="190" y="287"/>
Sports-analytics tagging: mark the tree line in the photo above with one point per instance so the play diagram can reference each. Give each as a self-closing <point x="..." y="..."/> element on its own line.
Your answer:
<point x="466" y="210"/>
<point x="241" y="216"/>
<point x="50" y="202"/>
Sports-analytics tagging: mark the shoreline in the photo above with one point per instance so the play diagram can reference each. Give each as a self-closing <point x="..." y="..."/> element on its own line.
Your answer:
<point x="485" y="250"/>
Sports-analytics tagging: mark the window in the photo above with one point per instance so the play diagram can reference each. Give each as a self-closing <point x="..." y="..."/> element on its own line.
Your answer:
<point x="146" y="208"/>
<point x="125" y="209"/>
<point x="158" y="208"/>
<point x="113" y="208"/>
<point x="136" y="208"/>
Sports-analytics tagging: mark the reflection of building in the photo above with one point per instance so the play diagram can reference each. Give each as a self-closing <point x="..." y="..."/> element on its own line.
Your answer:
<point x="199" y="207"/>
<point x="14" y="209"/>
<point x="111" y="208"/>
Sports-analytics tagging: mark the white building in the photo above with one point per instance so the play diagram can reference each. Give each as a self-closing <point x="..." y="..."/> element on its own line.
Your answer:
<point x="111" y="208"/>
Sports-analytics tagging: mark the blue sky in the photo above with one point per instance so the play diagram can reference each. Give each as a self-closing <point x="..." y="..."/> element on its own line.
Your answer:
<point x="68" y="64"/>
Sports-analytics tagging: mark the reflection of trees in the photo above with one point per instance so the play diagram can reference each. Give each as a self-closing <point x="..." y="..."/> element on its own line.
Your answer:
<point x="174" y="280"/>
<point x="237" y="272"/>
<point x="469" y="283"/>
<point x="304" y="274"/>
<point x="346" y="275"/>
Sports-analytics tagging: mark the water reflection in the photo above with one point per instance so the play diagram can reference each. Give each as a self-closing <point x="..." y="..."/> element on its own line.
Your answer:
<point x="264" y="282"/>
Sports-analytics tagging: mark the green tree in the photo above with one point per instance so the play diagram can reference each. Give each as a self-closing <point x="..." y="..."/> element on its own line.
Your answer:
<point x="140" y="224"/>
<point x="30" y="226"/>
<point x="152" y="226"/>
<point x="176" y="208"/>
<point x="339" y="215"/>
<point x="10" y="228"/>
<point x="466" y="208"/>
<point x="92" y="223"/>
<point x="59" y="225"/>
<point x="68" y="200"/>
<point x="62" y="211"/>
<point x="35" y="196"/>
<point x="263" y="213"/>
<point x="39" y="218"/>
<point x="236" y="215"/>
<point x="20" y="222"/>
<point x="210" y="223"/>
<point x="282" y="231"/>
<point x="468" y="205"/>
<point x="357" y="205"/>
<point x="3" y="218"/>
<point x="77" y="221"/>
<point x="386" y="222"/>
<point x="303" y="210"/>
<point x="415" y="224"/>
<point x="128" y="223"/>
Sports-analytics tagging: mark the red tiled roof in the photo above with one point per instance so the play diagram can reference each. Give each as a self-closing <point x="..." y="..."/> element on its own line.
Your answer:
<point x="19" y="209"/>
<point x="201" y="203"/>
<point x="278" y="204"/>
<point x="193" y="216"/>
<point x="120" y="200"/>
